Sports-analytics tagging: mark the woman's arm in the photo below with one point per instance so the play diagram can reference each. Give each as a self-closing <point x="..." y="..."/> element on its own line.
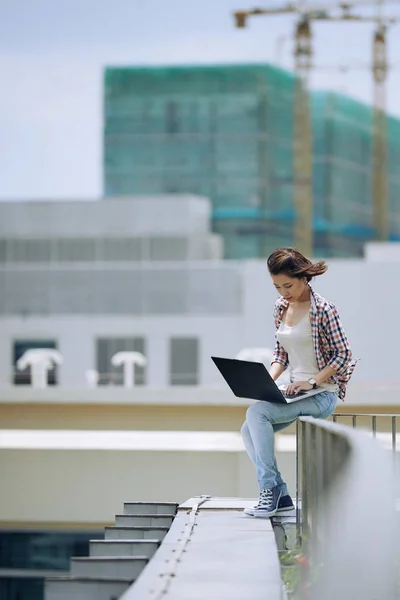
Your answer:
<point x="325" y="374"/>
<point x="276" y="370"/>
<point x="280" y="359"/>
<point x="320" y="377"/>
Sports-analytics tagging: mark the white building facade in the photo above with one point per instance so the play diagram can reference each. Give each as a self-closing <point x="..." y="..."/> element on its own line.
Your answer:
<point x="146" y="274"/>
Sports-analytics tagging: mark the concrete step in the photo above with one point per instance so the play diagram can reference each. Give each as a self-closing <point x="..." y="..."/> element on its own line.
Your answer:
<point x="110" y="567"/>
<point x="150" y="508"/>
<point x="135" y="533"/>
<point x="123" y="547"/>
<point x="144" y="520"/>
<point x="82" y="588"/>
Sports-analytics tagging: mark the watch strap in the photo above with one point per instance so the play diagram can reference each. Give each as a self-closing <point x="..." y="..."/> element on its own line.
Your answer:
<point x="312" y="382"/>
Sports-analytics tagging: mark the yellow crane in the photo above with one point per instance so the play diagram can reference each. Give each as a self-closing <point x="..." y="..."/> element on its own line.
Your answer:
<point x="303" y="168"/>
<point x="379" y="139"/>
<point x="303" y="54"/>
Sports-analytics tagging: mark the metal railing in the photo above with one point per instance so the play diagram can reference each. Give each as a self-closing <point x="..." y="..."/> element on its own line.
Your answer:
<point x="361" y="421"/>
<point x="367" y="422"/>
<point x="355" y="420"/>
<point x="346" y="513"/>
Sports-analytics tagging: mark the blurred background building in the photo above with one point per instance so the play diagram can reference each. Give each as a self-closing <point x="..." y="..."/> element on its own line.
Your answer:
<point x="147" y="274"/>
<point x="227" y="133"/>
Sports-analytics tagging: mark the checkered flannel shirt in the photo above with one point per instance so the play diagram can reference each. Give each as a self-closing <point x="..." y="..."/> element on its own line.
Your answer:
<point x="330" y="341"/>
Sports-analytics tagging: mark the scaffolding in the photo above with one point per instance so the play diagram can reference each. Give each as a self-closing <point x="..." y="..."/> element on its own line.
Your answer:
<point x="227" y="133"/>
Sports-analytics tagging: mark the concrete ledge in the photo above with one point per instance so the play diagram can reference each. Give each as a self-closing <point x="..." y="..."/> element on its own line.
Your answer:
<point x="123" y="548"/>
<point x="364" y="394"/>
<point x="85" y="588"/>
<point x="174" y="395"/>
<point x="153" y="441"/>
<point x="120" y="567"/>
<point x="146" y="520"/>
<point x="135" y="533"/>
<point x="229" y="557"/>
<point x="153" y="508"/>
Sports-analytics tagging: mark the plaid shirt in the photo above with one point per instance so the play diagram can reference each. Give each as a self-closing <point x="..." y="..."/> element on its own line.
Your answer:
<point x="330" y="341"/>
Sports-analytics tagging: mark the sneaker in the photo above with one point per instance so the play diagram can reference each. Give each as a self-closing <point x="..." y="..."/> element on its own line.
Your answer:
<point x="285" y="504"/>
<point x="268" y="503"/>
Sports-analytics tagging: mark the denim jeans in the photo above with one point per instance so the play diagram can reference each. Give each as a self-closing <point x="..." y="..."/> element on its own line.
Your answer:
<point x="264" y="419"/>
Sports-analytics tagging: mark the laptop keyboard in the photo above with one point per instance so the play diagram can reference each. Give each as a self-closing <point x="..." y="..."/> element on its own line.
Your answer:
<point x="292" y="396"/>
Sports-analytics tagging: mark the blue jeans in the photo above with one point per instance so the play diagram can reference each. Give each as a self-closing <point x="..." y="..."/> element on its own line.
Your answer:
<point x="264" y="419"/>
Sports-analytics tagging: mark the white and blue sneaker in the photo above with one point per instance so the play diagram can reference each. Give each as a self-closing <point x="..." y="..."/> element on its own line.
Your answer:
<point x="268" y="504"/>
<point x="285" y="505"/>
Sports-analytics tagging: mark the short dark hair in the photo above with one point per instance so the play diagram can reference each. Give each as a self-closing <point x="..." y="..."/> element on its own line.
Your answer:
<point x="292" y="263"/>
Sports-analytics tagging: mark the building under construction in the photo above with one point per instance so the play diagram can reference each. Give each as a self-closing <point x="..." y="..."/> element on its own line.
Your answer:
<point x="227" y="132"/>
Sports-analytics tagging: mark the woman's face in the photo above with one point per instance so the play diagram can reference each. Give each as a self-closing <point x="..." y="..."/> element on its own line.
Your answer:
<point x="291" y="288"/>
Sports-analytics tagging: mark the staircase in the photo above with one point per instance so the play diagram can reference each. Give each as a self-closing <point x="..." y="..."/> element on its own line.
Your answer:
<point x="118" y="560"/>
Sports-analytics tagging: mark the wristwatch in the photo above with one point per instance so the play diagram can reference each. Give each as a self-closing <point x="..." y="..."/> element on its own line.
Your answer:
<point x="312" y="382"/>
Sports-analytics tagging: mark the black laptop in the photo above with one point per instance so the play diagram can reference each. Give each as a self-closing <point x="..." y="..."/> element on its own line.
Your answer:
<point x="252" y="380"/>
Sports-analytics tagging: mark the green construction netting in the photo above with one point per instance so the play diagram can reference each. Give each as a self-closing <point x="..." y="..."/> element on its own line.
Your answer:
<point x="226" y="132"/>
<point x="342" y="157"/>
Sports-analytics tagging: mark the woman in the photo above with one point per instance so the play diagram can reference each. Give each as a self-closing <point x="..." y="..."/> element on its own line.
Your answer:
<point x="311" y="341"/>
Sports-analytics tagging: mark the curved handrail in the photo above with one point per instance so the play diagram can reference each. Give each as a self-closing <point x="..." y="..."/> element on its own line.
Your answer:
<point x="348" y="512"/>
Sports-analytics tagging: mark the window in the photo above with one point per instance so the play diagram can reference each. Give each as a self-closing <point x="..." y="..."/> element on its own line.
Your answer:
<point x="20" y="347"/>
<point x="37" y="552"/>
<point x="106" y="348"/>
<point x="25" y="250"/>
<point x="21" y="588"/>
<point x="184" y="361"/>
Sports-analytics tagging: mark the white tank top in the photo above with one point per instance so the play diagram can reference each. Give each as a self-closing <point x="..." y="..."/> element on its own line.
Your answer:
<point x="299" y="345"/>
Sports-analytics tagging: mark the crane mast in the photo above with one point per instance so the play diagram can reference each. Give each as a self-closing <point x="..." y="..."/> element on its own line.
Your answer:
<point x="302" y="142"/>
<point x="303" y="189"/>
<point x="379" y="138"/>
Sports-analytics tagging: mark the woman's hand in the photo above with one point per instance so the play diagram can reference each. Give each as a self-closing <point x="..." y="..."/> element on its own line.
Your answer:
<point x="298" y="386"/>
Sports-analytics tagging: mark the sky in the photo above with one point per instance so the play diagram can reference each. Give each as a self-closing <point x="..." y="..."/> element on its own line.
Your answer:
<point x="53" y="52"/>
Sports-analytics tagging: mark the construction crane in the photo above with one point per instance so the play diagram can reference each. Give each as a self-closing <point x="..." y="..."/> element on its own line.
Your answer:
<point x="379" y="139"/>
<point x="303" y="54"/>
<point x="303" y="168"/>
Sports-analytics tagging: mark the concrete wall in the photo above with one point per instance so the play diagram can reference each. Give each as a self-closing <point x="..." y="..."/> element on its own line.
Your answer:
<point x="117" y="217"/>
<point x="173" y="409"/>
<point x="76" y="340"/>
<point x="366" y="294"/>
<point x="84" y="486"/>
